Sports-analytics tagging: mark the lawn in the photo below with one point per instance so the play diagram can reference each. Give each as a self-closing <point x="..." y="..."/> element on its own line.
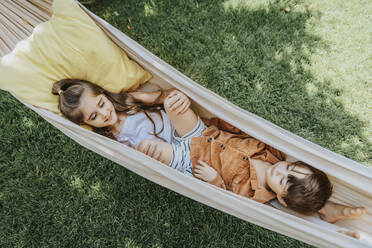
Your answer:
<point x="303" y="65"/>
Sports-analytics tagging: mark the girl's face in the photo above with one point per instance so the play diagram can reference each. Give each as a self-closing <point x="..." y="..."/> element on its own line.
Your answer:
<point x="98" y="111"/>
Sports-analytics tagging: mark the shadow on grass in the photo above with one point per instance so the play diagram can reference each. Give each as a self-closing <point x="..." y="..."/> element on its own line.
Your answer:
<point x="257" y="58"/>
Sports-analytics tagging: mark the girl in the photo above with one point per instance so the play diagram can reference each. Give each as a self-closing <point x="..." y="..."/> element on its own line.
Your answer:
<point x="138" y="120"/>
<point x="135" y="118"/>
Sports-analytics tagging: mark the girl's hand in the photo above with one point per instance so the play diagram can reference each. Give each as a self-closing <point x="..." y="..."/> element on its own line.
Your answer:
<point x="163" y="95"/>
<point x="204" y="172"/>
<point x="158" y="150"/>
<point x="177" y="102"/>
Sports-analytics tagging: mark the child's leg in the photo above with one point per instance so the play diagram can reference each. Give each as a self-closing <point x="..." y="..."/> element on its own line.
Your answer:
<point x="183" y="122"/>
<point x="333" y="212"/>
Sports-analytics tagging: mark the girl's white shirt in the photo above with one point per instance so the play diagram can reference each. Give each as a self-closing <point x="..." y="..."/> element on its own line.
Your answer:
<point x="138" y="127"/>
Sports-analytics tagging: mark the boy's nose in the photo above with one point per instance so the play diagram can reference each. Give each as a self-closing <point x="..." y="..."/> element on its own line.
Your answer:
<point x="281" y="172"/>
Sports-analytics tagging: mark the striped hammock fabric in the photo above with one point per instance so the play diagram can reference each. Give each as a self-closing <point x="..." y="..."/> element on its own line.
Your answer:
<point x="18" y="19"/>
<point x="352" y="181"/>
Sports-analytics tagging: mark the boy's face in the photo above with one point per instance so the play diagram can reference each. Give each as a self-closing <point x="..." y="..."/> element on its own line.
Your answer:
<point x="277" y="177"/>
<point x="98" y="111"/>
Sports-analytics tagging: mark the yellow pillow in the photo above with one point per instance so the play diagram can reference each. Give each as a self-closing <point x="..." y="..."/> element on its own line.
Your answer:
<point x="70" y="45"/>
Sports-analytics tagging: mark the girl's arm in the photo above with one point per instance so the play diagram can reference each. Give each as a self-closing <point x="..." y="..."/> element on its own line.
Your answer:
<point x="176" y="105"/>
<point x="151" y="98"/>
<point x="158" y="150"/>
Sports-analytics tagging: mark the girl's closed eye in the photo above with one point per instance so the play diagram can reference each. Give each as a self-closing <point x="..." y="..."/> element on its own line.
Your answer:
<point x="101" y="102"/>
<point x="93" y="117"/>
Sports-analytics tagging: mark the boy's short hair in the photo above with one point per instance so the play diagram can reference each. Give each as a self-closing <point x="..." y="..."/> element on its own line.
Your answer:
<point x="309" y="194"/>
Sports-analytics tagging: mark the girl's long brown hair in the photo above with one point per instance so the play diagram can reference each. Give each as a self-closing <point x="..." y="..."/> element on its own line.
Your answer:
<point x="71" y="90"/>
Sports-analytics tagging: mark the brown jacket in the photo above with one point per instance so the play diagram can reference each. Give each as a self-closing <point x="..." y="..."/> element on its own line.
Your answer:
<point x="227" y="149"/>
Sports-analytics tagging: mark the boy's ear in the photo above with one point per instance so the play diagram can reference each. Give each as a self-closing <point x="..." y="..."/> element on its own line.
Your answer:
<point x="281" y="200"/>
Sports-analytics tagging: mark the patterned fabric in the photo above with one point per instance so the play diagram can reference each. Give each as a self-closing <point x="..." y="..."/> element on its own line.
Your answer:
<point x="181" y="149"/>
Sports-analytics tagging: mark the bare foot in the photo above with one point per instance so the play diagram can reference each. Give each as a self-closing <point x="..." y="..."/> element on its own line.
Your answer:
<point x="333" y="212"/>
<point x="352" y="234"/>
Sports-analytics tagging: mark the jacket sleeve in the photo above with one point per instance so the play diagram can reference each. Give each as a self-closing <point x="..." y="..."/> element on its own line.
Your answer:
<point x="241" y="185"/>
<point x="221" y="125"/>
<point x="218" y="181"/>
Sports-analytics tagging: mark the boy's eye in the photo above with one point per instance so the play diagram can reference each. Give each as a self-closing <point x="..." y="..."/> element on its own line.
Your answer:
<point x="102" y="104"/>
<point x="93" y="117"/>
<point x="281" y="181"/>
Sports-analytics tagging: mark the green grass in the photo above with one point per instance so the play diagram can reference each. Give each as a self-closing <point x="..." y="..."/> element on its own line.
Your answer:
<point x="306" y="71"/>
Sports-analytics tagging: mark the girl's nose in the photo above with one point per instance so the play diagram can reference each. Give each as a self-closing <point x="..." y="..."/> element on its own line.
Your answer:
<point x="103" y="113"/>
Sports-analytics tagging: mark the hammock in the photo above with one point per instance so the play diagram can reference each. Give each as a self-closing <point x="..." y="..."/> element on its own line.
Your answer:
<point x="352" y="181"/>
